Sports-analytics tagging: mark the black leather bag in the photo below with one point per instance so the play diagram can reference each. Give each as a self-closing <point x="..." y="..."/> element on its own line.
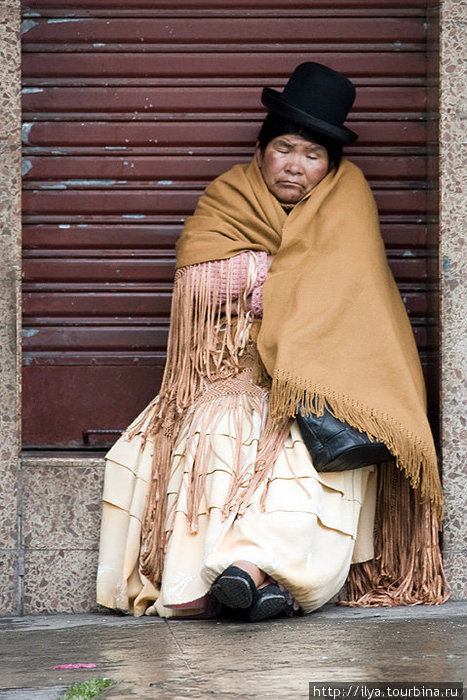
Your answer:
<point x="335" y="446"/>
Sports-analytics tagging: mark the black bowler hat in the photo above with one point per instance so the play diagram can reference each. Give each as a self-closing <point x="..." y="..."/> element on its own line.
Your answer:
<point x="317" y="98"/>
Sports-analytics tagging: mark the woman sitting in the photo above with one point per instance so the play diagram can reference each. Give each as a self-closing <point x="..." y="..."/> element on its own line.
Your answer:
<point x="283" y="302"/>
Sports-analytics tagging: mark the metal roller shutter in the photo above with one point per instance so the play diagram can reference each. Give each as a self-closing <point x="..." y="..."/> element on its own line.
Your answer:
<point x="130" y="109"/>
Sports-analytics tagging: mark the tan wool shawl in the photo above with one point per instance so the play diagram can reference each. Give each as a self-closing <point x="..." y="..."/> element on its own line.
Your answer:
<point x="335" y="332"/>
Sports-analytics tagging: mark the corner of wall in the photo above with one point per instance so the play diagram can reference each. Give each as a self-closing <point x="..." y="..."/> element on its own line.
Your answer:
<point x="10" y="277"/>
<point x="453" y="282"/>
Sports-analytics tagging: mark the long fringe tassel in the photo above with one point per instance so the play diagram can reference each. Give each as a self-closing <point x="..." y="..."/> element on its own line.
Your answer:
<point x="416" y="460"/>
<point x="407" y="568"/>
<point x="204" y="343"/>
<point x="235" y="407"/>
<point x="273" y="437"/>
<point x="153" y="549"/>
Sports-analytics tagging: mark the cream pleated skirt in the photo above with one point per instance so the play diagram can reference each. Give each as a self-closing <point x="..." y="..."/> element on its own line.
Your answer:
<point x="304" y="529"/>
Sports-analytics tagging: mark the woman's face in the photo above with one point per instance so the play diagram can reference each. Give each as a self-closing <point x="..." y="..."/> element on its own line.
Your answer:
<point x="291" y="166"/>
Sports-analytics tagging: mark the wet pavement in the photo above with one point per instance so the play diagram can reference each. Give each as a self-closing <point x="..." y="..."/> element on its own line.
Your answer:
<point x="181" y="659"/>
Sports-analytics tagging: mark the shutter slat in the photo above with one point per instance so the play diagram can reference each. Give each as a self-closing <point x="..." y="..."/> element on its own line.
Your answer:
<point x="258" y="68"/>
<point x="71" y="8"/>
<point x="228" y="32"/>
<point x="194" y="138"/>
<point x="72" y="238"/>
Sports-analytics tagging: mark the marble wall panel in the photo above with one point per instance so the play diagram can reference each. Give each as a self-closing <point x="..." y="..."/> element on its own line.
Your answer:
<point x="453" y="280"/>
<point x="61" y="507"/>
<point x="60" y="581"/>
<point x="8" y="583"/>
<point x="454" y="564"/>
<point x="8" y="504"/>
<point x="60" y="534"/>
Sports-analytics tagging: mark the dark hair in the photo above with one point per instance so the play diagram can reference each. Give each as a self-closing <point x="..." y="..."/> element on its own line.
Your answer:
<point x="274" y="125"/>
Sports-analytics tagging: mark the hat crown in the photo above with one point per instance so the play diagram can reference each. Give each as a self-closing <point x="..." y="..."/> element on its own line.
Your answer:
<point x="320" y="92"/>
<point x="317" y="98"/>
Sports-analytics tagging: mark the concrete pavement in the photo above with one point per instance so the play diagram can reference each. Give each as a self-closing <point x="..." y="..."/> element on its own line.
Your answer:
<point x="180" y="659"/>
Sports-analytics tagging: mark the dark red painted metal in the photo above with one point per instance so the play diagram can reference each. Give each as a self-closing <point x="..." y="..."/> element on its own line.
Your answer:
<point x="143" y="8"/>
<point x="152" y="102"/>
<point x="249" y="68"/>
<point x="232" y="31"/>
<point x="184" y="135"/>
<point x="71" y="8"/>
<point x="130" y="109"/>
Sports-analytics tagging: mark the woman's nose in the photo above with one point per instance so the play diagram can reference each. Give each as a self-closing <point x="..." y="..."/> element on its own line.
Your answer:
<point x="294" y="164"/>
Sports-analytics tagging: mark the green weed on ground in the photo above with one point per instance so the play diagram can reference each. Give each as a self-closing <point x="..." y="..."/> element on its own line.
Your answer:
<point x="87" y="690"/>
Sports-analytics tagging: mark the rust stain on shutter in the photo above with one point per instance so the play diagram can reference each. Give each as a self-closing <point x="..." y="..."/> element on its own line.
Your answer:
<point x="130" y="109"/>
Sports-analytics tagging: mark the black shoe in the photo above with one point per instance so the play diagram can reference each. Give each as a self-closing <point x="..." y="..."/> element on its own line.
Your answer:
<point x="271" y="601"/>
<point x="235" y="588"/>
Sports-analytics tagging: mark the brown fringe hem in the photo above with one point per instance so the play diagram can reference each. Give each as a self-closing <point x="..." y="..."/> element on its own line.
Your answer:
<point x="407" y="568"/>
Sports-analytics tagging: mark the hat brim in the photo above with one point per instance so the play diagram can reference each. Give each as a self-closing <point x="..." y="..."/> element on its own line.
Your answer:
<point x="273" y="100"/>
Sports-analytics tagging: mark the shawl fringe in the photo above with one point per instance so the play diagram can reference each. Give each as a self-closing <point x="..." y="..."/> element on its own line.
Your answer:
<point x="414" y="458"/>
<point x="407" y="568"/>
<point x="206" y="344"/>
<point x="272" y="441"/>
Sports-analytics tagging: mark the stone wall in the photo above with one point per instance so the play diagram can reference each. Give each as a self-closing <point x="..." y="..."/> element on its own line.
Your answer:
<point x="50" y="505"/>
<point x="61" y="508"/>
<point x="453" y="280"/>
<point x="10" y="276"/>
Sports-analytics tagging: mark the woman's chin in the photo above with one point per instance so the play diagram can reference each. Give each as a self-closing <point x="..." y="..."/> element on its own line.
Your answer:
<point x="288" y="197"/>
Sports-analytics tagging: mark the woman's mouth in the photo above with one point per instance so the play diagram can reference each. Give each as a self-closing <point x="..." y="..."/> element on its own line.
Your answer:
<point x="289" y="183"/>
